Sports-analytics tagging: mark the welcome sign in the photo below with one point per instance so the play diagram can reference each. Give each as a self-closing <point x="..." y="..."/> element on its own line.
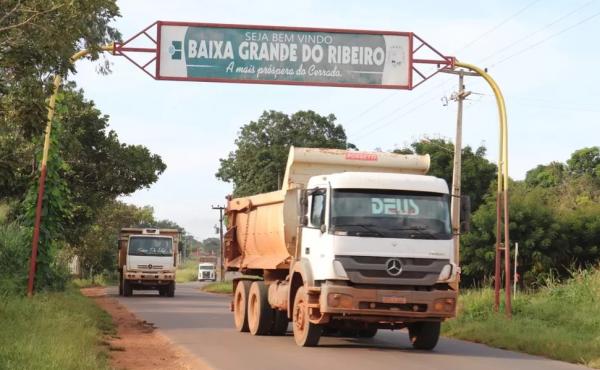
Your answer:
<point x="283" y="55"/>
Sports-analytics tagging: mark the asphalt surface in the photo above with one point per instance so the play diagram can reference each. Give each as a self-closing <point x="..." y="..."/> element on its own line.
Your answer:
<point x="202" y="324"/>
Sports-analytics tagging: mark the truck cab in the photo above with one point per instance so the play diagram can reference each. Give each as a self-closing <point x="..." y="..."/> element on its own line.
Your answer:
<point x="388" y="229"/>
<point x="147" y="260"/>
<point x="207" y="271"/>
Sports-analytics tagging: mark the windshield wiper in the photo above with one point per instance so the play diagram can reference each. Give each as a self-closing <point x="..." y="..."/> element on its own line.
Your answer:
<point x="367" y="227"/>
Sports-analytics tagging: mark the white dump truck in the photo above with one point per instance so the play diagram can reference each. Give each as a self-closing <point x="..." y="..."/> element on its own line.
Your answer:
<point x="352" y="243"/>
<point x="147" y="260"/>
<point x="207" y="271"/>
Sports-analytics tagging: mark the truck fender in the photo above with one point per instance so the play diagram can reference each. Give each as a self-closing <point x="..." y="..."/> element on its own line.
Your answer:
<point x="300" y="274"/>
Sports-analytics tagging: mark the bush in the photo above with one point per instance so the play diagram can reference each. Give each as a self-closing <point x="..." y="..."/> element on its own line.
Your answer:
<point x="15" y="254"/>
<point x="15" y="251"/>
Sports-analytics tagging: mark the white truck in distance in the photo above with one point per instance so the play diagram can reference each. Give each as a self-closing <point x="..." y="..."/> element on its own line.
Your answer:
<point x="352" y="243"/>
<point x="147" y="260"/>
<point x="207" y="271"/>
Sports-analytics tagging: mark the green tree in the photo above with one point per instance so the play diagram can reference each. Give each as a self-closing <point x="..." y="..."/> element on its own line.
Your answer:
<point x="546" y="175"/>
<point x="97" y="250"/>
<point x="585" y="161"/>
<point x="210" y="246"/>
<point x="477" y="172"/>
<point x="37" y="39"/>
<point x="258" y="163"/>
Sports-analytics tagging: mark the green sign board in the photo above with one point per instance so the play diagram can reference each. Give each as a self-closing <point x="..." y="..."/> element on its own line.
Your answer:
<point x="283" y="55"/>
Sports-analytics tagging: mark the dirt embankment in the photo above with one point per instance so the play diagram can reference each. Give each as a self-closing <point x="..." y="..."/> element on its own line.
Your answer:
<point x="137" y="345"/>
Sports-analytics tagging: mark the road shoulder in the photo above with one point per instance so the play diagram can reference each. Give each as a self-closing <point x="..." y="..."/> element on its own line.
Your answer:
<point x="138" y="344"/>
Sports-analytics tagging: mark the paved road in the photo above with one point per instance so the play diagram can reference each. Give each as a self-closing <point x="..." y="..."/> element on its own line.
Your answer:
<point x="202" y="323"/>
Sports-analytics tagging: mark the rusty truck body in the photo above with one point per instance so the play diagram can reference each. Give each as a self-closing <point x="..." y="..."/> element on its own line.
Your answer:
<point x="147" y="260"/>
<point x="354" y="242"/>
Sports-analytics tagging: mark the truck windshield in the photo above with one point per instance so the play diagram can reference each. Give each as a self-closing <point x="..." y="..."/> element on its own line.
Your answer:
<point x="390" y="214"/>
<point x="150" y="246"/>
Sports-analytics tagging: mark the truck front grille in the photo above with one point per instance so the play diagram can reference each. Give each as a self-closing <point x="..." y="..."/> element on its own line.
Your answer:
<point x="150" y="267"/>
<point x="374" y="270"/>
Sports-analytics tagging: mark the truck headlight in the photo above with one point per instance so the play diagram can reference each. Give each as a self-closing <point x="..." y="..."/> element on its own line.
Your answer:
<point x="446" y="273"/>
<point x="339" y="271"/>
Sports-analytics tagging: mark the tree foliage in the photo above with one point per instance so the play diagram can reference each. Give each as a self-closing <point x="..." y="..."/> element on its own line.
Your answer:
<point x="37" y="40"/>
<point x="555" y="218"/>
<point x="477" y="172"/>
<point x="97" y="250"/>
<point x="258" y="163"/>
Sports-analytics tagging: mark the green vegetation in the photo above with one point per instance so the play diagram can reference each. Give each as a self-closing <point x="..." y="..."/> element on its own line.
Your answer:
<point x="219" y="287"/>
<point x="258" y="163"/>
<point x="560" y="321"/>
<point x="187" y="272"/>
<point x="477" y="172"/>
<point x="53" y="331"/>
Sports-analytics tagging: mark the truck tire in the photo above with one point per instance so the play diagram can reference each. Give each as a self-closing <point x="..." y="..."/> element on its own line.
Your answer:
<point x="127" y="288"/>
<point x="424" y="334"/>
<point x="162" y="291"/>
<point x="306" y="334"/>
<point x="280" y="323"/>
<point x="240" y="306"/>
<point x="260" y="313"/>
<point x="171" y="289"/>
<point x="121" y="283"/>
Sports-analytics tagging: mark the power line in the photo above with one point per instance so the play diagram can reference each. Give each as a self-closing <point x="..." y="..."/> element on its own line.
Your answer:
<point x="527" y="37"/>
<point x="481" y="36"/>
<point x="530" y="47"/>
<point x="400" y="108"/>
<point x="502" y="23"/>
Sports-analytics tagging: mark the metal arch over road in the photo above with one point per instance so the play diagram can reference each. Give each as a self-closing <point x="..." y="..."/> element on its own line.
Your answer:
<point x="285" y="55"/>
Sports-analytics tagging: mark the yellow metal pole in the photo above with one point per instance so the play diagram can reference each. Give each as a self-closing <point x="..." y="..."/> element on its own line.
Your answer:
<point x="502" y="199"/>
<point x="43" y="168"/>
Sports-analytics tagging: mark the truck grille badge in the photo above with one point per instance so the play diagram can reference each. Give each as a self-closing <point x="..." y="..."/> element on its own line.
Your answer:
<point x="393" y="266"/>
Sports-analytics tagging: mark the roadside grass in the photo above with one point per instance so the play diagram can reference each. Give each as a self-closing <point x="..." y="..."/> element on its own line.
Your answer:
<point x="559" y="321"/>
<point x="187" y="272"/>
<point x="219" y="287"/>
<point x="53" y="331"/>
<point x="100" y="280"/>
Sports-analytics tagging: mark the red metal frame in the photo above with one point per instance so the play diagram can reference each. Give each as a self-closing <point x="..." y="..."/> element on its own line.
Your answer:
<point x="442" y="62"/>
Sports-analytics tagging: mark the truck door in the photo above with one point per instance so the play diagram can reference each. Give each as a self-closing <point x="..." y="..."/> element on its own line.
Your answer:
<point x="316" y="243"/>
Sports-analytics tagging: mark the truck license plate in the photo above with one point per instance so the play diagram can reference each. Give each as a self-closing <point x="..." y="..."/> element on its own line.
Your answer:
<point x="399" y="300"/>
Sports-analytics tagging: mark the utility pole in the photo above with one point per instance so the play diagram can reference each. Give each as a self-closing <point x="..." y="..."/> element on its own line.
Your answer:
<point x="459" y="97"/>
<point x="222" y="250"/>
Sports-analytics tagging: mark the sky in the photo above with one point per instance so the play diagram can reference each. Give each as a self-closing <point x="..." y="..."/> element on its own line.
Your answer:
<point x="543" y="55"/>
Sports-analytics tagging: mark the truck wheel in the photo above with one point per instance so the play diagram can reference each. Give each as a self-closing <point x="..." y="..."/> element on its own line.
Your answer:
<point x="240" y="306"/>
<point x="280" y="323"/>
<point x="120" y="283"/>
<point x="162" y="291"/>
<point x="127" y="288"/>
<point x="306" y="334"/>
<point x="424" y="334"/>
<point x="260" y="313"/>
<point x="171" y="289"/>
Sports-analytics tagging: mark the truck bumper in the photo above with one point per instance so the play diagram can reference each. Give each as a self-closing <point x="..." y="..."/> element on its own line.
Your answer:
<point x="386" y="304"/>
<point x="150" y="278"/>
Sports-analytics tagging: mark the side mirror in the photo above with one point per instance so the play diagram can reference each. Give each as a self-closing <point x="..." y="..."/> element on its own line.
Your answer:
<point x="465" y="214"/>
<point x="323" y="228"/>
<point x="304" y="220"/>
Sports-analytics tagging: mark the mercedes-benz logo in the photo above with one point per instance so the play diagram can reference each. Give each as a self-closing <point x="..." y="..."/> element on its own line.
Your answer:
<point x="150" y="267"/>
<point x="393" y="266"/>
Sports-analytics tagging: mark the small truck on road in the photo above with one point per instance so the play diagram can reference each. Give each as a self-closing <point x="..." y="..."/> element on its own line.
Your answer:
<point x="147" y="260"/>
<point x="354" y="242"/>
